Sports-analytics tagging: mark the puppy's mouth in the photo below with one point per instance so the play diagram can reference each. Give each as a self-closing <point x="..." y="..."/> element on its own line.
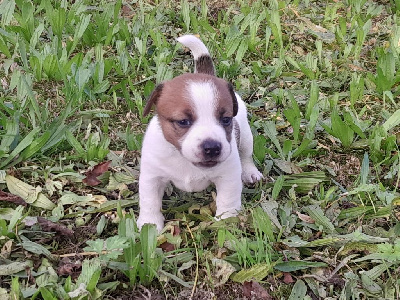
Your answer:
<point x="206" y="164"/>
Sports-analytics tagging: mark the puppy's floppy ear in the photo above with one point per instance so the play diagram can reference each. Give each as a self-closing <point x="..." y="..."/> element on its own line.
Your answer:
<point x="153" y="99"/>
<point x="234" y="100"/>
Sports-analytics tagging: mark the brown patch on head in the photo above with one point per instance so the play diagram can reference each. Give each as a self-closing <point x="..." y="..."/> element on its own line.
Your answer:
<point x="155" y="95"/>
<point x="226" y="95"/>
<point x="173" y="105"/>
<point x="227" y="105"/>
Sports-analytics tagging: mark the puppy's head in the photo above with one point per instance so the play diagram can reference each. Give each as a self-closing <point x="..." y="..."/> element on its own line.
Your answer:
<point x="196" y="113"/>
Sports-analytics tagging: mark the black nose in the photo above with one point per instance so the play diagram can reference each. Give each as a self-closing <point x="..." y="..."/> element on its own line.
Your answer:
<point x="211" y="149"/>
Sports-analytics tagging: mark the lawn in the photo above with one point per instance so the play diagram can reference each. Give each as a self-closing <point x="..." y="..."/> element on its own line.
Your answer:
<point x="321" y="82"/>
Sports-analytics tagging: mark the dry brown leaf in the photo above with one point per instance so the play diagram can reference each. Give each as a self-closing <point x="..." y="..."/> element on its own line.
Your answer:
<point x="69" y="268"/>
<point x="305" y="218"/>
<point x="50" y="226"/>
<point x="287" y="278"/>
<point x="167" y="246"/>
<point x="254" y="290"/>
<point x="6" y="249"/>
<point x="91" y="176"/>
<point x="4" y="196"/>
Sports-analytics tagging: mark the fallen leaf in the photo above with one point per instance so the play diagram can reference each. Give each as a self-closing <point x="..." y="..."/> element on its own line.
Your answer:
<point x="127" y="12"/>
<point x="113" y="184"/>
<point x="222" y="252"/>
<point x="287" y="278"/>
<point x="69" y="268"/>
<point x="299" y="290"/>
<point x="91" y="181"/>
<point x="6" y="249"/>
<point x="223" y="270"/>
<point x="50" y="226"/>
<point x="254" y="290"/>
<point x="167" y="246"/>
<point x="4" y="196"/>
<point x="80" y="290"/>
<point x="30" y="194"/>
<point x="29" y="221"/>
<point x="257" y="272"/>
<point x="185" y="266"/>
<point x="305" y="218"/>
<point x="97" y="200"/>
<point x="26" y="191"/>
<point x="176" y="231"/>
<point x="287" y="166"/>
<point x="14" y="267"/>
<point x="91" y="175"/>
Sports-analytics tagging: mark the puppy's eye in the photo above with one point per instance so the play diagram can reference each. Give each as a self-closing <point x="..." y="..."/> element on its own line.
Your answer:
<point x="185" y="123"/>
<point x="226" y="121"/>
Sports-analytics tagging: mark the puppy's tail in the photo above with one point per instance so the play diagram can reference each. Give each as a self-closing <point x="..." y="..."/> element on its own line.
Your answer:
<point x="202" y="59"/>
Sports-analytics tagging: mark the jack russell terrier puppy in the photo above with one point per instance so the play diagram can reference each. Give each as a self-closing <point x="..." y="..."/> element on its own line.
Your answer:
<point x="199" y="136"/>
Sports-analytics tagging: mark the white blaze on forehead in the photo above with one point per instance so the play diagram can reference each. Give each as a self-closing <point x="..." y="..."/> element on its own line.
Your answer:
<point x="204" y="96"/>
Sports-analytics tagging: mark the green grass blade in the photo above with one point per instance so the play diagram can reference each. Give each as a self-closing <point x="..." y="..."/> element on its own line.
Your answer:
<point x="186" y="14"/>
<point x="6" y="11"/>
<point x="10" y="136"/>
<point x="270" y="131"/>
<point x="148" y="239"/>
<point x="79" y="31"/>
<point x="4" y="48"/>
<point x="365" y="169"/>
<point x="75" y="143"/>
<point x="341" y="130"/>
<point x="36" y="146"/>
<point x="241" y="51"/>
<point x="46" y="294"/>
<point x="316" y="213"/>
<point x="277" y="187"/>
<point x="314" y="95"/>
<point x="393" y="121"/>
<point x="257" y="272"/>
<point x="29" y="138"/>
<point x="295" y="265"/>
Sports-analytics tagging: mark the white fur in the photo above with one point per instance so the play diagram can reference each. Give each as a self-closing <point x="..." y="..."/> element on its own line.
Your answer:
<point x="194" y="44"/>
<point x="203" y="96"/>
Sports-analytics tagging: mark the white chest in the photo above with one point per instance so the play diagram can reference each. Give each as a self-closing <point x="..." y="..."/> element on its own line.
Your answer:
<point x="191" y="183"/>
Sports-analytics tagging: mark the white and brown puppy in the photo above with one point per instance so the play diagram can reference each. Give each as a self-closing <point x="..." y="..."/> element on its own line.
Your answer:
<point x="199" y="136"/>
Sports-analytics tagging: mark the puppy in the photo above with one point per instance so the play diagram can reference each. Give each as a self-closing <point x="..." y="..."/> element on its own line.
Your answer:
<point x="199" y="136"/>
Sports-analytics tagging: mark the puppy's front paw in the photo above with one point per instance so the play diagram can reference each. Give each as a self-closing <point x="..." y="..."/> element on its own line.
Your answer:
<point x="157" y="219"/>
<point x="250" y="174"/>
<point x="225" y="215"/>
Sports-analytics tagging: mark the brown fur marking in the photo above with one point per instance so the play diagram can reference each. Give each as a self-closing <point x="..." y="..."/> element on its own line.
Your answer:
<point x="153" y="99"/>
<point x="173" y="104"/>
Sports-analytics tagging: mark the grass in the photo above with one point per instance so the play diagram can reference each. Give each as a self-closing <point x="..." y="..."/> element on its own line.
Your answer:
<point x="321" y="80"/>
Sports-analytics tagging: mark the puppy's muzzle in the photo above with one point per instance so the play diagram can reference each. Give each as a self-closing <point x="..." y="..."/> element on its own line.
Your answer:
<point x="210" y="152"/>
<point x="211" y="149"/>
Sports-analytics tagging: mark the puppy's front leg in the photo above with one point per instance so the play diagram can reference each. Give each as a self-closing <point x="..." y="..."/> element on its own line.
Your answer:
<point x="151" y="191"/>
<point x="229" y="192"/>
<point x="250" y="174"/>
